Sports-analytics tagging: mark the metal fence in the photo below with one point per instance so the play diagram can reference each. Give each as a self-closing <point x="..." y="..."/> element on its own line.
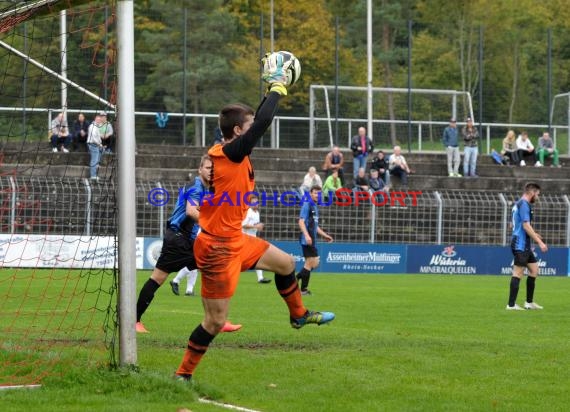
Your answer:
<point x="286" y="132"/>
<point x="47" y="205"/>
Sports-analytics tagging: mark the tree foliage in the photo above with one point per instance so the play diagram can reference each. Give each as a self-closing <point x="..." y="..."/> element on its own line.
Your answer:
<point x="226" y="39"/>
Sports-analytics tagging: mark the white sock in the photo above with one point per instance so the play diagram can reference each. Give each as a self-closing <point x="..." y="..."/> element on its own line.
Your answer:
<point x="259" y="274"/>
<point x="192" y="276"/>
<point x="182" y="273"/>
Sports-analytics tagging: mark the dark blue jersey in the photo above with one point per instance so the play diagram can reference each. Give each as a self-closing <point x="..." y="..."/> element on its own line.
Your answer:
<point x="310" y="213"/>
<point x="179" y="221"/>
<point x="522" y="212"/>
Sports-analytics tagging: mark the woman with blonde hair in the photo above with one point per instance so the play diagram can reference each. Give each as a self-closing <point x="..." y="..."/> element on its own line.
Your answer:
<point x="510" y="149"/>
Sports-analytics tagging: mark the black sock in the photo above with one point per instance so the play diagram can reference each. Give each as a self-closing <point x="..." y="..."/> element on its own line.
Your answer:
<point x="283" y="283"/>
<point x="304" y="275"/>
<point x="530" y="281"/>
<point x="146" y="296"/>
<point x="514" y="290"/>
<point x="201" y="336"/>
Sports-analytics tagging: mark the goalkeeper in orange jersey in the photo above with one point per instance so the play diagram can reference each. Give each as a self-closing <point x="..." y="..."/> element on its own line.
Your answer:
<point x="221" y="249"/>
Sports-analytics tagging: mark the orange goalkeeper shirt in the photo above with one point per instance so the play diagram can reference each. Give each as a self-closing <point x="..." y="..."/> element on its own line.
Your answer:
<point x="222" y="214"/>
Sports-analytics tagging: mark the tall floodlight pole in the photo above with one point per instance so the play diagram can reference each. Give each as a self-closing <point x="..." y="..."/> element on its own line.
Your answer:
<point x="271" y="24"/>
<point x="126" y="183"/>
<point x="63" y="48"/>
<point x="369" y="54"/>
<point x="185" y="75"/>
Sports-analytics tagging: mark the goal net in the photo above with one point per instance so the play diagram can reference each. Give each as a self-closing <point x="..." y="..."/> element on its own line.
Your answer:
<point x="58" y="226"/>
<point x="338" y="111"/>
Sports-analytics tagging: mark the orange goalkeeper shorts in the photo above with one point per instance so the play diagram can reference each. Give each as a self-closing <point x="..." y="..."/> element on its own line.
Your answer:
<point x="222" y="259"/>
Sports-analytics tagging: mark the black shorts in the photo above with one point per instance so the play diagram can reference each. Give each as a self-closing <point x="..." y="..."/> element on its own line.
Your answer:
<point x="523" y="258"/>
<point x="310" y="251"/>
<point x="177" y="252"/>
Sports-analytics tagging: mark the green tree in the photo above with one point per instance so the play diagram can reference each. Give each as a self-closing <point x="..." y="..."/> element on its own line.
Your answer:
<point x="209" y="72"/>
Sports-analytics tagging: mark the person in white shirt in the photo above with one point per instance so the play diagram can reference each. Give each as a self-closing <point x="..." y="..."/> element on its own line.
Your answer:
<point x="311" y="179"/>
<point x="251" y="225"/>
<point x="526" y="150"/>
<point x="399" y="167"/>
<point x="59" y="138"/>
<point x="95" y="146"/>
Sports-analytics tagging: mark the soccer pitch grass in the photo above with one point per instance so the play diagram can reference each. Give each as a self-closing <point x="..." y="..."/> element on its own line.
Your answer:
<point x="399" y="343"/>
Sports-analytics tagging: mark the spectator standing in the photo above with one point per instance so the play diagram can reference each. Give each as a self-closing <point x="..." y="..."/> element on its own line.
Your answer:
<point x="546" y="149"/>
<point x="510" y="149"/>
<point x="361" y="146"/>
<point x="471" y="150"/>
<point x="451" y="143"/>
<point x="380" y="163"/>
<point x="58" y="139"/>
<point x="218" y="137"/>
<point x="95" y="146"/>
<point x="250" y="226"/>
<point x="79" y="133"/>
<point x="309" y="225"/>
<point x="399" y="167"/>
<point x="526" y="150"/>
<point x="334" y="160"/>
<point x="311" y="179"/>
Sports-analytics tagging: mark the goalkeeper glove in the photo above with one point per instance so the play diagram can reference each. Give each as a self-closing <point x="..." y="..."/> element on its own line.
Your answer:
<point x="273" y="68"/>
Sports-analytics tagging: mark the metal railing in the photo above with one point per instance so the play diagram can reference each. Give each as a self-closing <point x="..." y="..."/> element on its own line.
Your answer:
<point x="47" y="205"/>
<point x="286" y="132"/>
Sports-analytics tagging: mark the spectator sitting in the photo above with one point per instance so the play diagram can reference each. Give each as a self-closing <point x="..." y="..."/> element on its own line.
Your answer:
<point x="311" y="179"/>
<point x="380" y="163"/>
<point x="332" y="184"/>
<point x="66" y="137"/>
<point x="334" y="160"/>
<point x="546" y="149"/>
<point x="375" y="182"/>
<point x="361" y="182"/>
<point x="510" y="150"/>
<point x="526" y="150"/>
<point x="399" y="167"/>
<point x="79" y="134"/>
<point x="58" y="140"/>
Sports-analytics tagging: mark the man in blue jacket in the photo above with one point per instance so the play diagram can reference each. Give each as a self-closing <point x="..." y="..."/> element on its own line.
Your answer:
<point x="451" y="144"/>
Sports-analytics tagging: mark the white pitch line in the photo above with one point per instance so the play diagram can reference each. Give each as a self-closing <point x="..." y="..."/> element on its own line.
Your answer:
<point x="20" y="387"/>
<point x="227" y="405"/>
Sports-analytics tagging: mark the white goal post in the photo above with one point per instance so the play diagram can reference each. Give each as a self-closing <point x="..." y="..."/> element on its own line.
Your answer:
<point x="456" y="104"/>
<point x="560" y="117"/>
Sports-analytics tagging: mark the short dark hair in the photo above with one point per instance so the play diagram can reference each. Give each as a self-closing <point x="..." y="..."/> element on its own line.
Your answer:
<point x="531" y="186"/>
<point x="315" y="187"/>
<point x="233" y="115"/>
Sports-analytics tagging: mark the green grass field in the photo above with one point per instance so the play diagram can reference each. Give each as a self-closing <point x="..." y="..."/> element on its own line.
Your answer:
<point x="399" y="343"/>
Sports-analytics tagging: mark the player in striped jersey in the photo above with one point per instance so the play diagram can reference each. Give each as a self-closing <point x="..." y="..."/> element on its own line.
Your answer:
<point x="524" y="257"/>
